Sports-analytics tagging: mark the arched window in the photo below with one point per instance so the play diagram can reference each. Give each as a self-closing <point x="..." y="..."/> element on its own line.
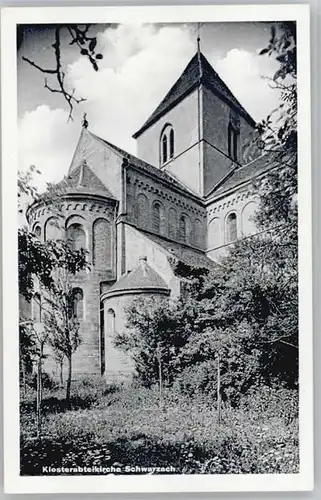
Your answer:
<point x="231" y="227"/>
<point x="172" y="223"/>
<point x="185" y="229"/>
<point x="142" y="210"/>
<point x="182" y="228"/>
<point x="78" y="303"/>
<point x="102" y="244"/>
<point x="111" y="316"/>
<point x="156" y="217"/>
<point x="36" y="308"/>
<point x="214" y="239"/>
<point x="248" y="223"/>
<point x="171" y="143"/>
<point x="37" y="231"/>
<point x="167" y="144"/>
<point x="76" y="236"/>
<point x="52" y="229"/>
<point x="164" y="148"/>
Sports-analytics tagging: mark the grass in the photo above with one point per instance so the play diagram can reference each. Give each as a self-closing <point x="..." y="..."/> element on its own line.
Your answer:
<point x="106" y="427"/>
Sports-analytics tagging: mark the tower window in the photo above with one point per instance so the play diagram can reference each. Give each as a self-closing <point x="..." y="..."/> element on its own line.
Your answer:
<point x="233" y="142"/>
<point x="167" y="144"/>
<point x="231" y="228"/>
<point x="171" y="143"/>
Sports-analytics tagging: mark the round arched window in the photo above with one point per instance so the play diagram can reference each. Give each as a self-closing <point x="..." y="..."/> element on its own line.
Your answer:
<point x="76" y="236"/>
<point x="167" y="144"/>
<point x="231" y="227"/>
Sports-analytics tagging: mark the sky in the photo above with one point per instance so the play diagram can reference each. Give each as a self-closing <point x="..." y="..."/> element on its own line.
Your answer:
<point x="140" y="63"/>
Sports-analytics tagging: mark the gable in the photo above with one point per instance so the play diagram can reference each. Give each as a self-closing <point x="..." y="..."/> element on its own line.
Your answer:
<point x="104" y="163"/>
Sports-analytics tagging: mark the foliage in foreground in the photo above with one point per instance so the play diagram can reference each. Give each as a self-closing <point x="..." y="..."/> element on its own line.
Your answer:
<point x="128" y="427"/>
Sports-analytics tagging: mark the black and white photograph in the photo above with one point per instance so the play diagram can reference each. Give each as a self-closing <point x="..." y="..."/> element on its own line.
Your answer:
<point x="158" y="249"/>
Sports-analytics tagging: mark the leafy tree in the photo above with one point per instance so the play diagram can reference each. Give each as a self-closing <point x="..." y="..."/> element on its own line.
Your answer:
<point x="41" y="266"/>
<point x="60" y="321"/>
<point x="247" y="309"/>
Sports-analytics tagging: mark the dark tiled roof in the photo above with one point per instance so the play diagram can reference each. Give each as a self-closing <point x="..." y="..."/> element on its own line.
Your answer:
<point x="246" y="173"/>
<point x="82" y="179"/>
<point x="191" y="257"/>
<point x="146" y="167"/>
<point x="197" y="71"/>
<point x="143" y="277"/>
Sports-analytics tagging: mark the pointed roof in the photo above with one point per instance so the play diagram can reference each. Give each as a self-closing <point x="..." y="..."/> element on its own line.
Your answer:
<point x="196" y="72"/>
<point x="83" y="179"/>
<point x="141" y="279"/>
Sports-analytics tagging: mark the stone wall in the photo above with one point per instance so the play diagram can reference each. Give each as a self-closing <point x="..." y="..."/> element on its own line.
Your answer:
<point x="97" y="217"/>
<point x="216" y="115"/>
<point x="241" y="202"/>
<point x="119" y="366"/>
<point x="142" y="193"/>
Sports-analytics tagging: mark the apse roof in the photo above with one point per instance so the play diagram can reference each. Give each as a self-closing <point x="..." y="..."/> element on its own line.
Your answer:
<point x="83" y="179"/>
<point x="196" y="72"/>
<point x="143" y="277"/>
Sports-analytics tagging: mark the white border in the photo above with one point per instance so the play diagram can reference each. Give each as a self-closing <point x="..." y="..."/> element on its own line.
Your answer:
<point x="14" y="483"/>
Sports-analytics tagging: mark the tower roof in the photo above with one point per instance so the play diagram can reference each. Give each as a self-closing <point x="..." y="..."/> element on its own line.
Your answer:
<point x="196" y="72"/>
<point x="141" y="279"/>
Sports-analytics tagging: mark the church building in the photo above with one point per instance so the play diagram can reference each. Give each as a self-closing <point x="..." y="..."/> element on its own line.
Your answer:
<point x="184" y="199"/>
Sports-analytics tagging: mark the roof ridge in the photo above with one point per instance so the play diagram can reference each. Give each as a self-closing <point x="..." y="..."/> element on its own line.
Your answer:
<point x="145" y="166"/>
<point x="197" y="71"/>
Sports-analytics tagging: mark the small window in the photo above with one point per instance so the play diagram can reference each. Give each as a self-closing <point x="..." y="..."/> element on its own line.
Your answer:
<point x="78" y="303"/>
<point x="164" y="148"/>
<point x="171" y="143"/>
<point x="52" y="229"/>
<point x="111" y="316"/>
<point x="231" y="228"/>
<point x="232" y="142"/>
<point x="37" y="231"/>
<point x="156" y="217"/>
<point x="167" y="144"/>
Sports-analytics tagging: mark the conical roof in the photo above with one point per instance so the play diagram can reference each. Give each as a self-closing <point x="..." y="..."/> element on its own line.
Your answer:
<point x="196" y="72"/>
<point x="141" y="279"/>
<point x="83" y="179"/>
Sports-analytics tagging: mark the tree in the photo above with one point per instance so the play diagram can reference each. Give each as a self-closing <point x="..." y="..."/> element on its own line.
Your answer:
<point x="66" y="34"/>
<point x="61" y="322"/>
<point x="41" y="266"/>
<point x="246" y="310"/>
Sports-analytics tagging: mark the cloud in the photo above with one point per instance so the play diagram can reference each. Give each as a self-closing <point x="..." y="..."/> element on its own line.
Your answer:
<point x="244" y="73"/>
<point x="139" y="66"/>
<point x="46" y="141"/>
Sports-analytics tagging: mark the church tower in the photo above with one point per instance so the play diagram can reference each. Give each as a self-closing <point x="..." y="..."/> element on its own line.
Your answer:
<point x="199" y="132"/>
